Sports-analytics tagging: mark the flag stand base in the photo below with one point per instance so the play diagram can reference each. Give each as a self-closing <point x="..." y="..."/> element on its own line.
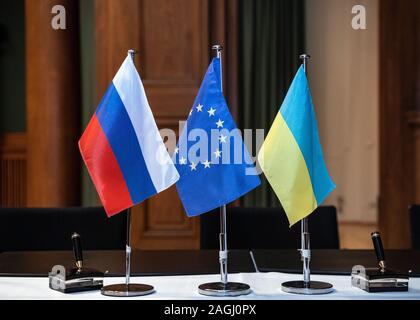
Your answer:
<point x="124" y="290"/>
<point x="220" y="289"/>
<point x="301" y="287"/>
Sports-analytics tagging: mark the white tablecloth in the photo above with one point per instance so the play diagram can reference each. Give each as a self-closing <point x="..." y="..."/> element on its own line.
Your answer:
<point x="264" y="286"/>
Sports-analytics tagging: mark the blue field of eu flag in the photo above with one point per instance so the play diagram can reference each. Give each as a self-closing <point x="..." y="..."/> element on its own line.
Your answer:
<point x="214" y="165"/>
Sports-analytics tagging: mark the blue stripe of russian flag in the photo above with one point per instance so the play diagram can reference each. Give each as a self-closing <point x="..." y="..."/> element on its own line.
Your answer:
<point x="119" y="130"/>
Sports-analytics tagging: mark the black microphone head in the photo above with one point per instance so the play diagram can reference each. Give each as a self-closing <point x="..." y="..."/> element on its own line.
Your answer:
<point x="375" y="234"/>
<point x="75" y="235"/>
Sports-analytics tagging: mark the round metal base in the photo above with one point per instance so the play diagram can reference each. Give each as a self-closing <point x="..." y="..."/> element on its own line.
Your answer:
<point x="219" y="289"/>
<point x="314" y="287"/>
<point x="123" y="290"/>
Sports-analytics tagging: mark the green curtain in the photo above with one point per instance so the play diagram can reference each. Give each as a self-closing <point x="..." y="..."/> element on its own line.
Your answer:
<point x="87" y="52"/>
<point x="271" y="38"/>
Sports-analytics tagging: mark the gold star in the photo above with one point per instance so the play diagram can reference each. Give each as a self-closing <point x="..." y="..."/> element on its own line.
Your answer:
<point x="182" y="161"/>
<point x="211" y="112"/>
<point x="220" y="123"/>
<point x="218" y="153"/>
<point x="193" y="166"/>
<point x="222" y="138"/>
<point x="206" y="164"/>
<point x="199" y="108"/>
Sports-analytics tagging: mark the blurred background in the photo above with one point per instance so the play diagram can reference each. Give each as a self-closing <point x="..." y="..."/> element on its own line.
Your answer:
<point x="364" y="75"/>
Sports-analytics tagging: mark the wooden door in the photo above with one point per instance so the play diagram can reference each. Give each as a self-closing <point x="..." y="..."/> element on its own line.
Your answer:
<point x="399" y="118"/>
<point x="172" y="38"/>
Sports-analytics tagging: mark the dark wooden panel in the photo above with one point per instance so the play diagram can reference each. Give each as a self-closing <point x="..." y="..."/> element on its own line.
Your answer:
<point x="224" y="25"/>
<point x="116" y="31"/>
<point x="399" y="37"/>
<point x="52" y="105"/>
<point x="171" y="100"/>
<point x="172" y="62"/>
<point x="162" y="224"/>
<point x="13" y="170"/>
<point x="172" y="30"/>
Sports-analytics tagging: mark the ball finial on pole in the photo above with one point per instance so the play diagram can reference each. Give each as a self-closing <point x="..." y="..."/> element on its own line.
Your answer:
<point x="305" y="57"/>
<point x="132" y="53"/>
<point x="217" y="47"/>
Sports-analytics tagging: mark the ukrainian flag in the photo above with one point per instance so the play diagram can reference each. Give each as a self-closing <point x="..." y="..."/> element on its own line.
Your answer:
<point x="291" y="156"/>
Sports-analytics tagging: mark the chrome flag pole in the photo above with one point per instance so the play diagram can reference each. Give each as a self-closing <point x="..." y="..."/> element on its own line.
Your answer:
<point x="128" y="289"/>
<point x="223" y="288"/>
<point x="223" y="253"/>
<point x="306" y="286"/>
<point x="128" y="249"/>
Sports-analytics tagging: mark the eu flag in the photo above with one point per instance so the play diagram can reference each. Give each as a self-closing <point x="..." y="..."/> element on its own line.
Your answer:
<point x="214" y="165"/>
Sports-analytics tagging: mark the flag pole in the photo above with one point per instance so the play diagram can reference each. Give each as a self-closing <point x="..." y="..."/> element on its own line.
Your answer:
<point x="223" y="288"/>
<point x="306" y="286"/>
<point x="223" y="252"/>
<point x="128" y="289"/>
<point x="128" y="249"/>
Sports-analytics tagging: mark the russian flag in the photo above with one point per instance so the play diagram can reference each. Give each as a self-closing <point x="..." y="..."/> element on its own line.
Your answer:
<point x="122" y="148"/>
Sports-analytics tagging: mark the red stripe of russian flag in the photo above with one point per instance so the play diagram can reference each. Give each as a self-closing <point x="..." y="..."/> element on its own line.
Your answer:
<point x="104" y="169"/>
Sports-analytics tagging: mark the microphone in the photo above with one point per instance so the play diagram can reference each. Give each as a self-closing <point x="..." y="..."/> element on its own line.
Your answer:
<point x="77" y="249"/>
<point x="379" y="250"/>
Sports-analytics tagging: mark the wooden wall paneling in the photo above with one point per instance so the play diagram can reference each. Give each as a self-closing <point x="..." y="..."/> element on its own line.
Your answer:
<point x="172" y="38"/>
<point x="224" y="30"/>
<point x="399" y="37"/>
<point x="116" y="31"/>
<point x="13" y="170"/>
<point x="174" y="62"/>
<point x="53" y="105"/>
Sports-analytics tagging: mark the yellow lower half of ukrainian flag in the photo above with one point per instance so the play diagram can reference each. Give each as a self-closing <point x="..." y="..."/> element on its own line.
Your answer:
<point x="284" y="165"/>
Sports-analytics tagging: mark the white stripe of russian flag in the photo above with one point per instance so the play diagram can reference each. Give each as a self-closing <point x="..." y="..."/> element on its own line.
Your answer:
<point x="159" y="164"/>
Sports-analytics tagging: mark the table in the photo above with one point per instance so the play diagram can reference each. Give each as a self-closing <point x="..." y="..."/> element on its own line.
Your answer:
<point x="151" y="263"/>
<point x="177" y="274"/>
<point x="265" y="286"/>
<point x="192" y="262"/>
<point x="336" y="262"/>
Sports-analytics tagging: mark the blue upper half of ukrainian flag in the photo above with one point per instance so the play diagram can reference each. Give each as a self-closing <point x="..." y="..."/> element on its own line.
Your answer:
<point x="298" y="112"/>
<point x="291" y="156"/>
